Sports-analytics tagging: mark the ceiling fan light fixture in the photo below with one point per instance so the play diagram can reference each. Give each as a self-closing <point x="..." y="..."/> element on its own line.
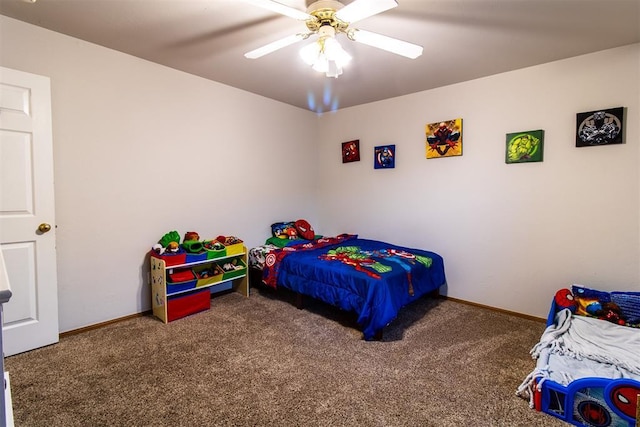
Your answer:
<point x="334" y="52"/>
<point x="333" y="69"/>
<point x="326" y="18"/>
<point x="310" y="53"/>
<point x="326" y="55"/>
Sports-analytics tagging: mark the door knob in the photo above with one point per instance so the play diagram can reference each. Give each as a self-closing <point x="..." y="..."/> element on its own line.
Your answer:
<point x="44" y="227"/>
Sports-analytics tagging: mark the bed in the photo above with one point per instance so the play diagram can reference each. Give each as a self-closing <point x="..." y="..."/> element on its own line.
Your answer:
<point x="371" y="278"/>
<point x="587" y="369"/>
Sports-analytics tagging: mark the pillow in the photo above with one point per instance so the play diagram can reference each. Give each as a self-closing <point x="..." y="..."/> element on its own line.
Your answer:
<point x="304" y="229"/>
<point x="589" y="301"/>
<point x="284" y="230"/>
<point x="629" y="303"/>
<point x="618" y="307"/>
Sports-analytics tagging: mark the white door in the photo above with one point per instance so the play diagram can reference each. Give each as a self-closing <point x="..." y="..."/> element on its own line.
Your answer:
<point x="27" y="227"/>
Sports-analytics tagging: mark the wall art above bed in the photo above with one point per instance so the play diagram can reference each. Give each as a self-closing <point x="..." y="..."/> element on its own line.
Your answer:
<point x="444" y="139"/>
<point x="523" y="147"/>
<point x="351" y="151"/>
<point x="384" y="157"/>
<point x="600" y="127"/>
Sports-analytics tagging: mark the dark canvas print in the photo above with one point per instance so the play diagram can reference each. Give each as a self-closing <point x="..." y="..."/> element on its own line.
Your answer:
<point x="600" y="127"/>
<point x="351" y="151"/>
<point x="384" y="157"/>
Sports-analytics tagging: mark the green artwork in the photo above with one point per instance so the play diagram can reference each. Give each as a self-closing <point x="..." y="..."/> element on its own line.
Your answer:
<point x="525" y="147"/>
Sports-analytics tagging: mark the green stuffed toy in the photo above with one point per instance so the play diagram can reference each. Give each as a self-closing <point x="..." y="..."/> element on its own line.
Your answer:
<point x="171" y="241"/>
<point x="192" y="243"/>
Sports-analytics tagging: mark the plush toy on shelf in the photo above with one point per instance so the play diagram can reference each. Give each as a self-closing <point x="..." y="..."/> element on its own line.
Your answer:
<point x="228" y="240"/>
<point x="230" y="266"/>
<point x="192" y="243"/>
<point x="213" y="245"/>
<point x="170" y="243"/>
<point x="191" y="235"/>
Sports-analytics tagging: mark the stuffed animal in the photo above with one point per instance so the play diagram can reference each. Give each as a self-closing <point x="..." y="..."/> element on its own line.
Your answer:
<point x="291" y="233"/>
<point x="170" y="241"/>
<point x="611" y="312"/>
<point x="228" y="240"/>
<point x="191" y="235"/>
<point x="192" y="242"/>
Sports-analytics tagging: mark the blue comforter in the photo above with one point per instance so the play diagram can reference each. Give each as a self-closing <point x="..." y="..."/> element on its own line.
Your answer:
<point x="372" y="278"/>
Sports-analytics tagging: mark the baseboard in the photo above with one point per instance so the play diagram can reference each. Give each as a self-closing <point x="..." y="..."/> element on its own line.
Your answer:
<point x="102" y="324"/>
<point x="500" y="310"/>
<point x="149" y="312"/>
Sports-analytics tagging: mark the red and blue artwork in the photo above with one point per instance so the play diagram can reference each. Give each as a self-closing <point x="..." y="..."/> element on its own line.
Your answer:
<point x="351" y="151"/>
<point x="384" y="157"/>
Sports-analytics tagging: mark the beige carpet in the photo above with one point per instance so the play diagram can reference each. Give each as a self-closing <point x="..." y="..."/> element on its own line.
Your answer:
<point x="259" y="361"/>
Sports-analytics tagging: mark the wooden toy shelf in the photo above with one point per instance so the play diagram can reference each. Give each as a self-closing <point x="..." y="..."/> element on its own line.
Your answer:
<point x="172" y="300"/>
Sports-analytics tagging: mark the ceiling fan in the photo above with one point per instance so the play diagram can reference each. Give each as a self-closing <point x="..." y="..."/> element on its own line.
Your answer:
<point x="327" y="19"/>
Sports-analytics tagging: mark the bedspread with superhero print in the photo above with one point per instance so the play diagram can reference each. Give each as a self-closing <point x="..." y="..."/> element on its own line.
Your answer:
<point x="372" y="278"/>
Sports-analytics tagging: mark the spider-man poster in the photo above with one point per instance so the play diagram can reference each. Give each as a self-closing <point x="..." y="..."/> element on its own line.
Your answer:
<point x="444" y="139"/>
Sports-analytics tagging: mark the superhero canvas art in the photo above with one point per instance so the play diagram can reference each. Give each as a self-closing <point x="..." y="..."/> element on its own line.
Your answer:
<point x="444" y="139"/>
<point x="384" y="157"/>
<point x="351" y="151"/>
<point x="601" y="127"/>
<point x="525" y="147"/>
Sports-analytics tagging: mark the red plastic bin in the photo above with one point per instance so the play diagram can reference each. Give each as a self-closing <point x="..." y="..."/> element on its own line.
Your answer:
<point x="171" y="259"/>
<point x="187" y="304"/>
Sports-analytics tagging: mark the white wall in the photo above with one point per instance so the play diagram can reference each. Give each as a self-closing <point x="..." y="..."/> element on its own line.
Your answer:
<point x="140" y="150"/>
<point x="510" y="235"/>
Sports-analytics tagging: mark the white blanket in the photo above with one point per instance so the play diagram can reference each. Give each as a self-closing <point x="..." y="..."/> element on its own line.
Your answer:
<point x="578" y="347"/>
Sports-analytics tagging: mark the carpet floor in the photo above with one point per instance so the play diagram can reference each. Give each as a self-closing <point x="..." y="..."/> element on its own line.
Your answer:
<point x="259" y="361"/>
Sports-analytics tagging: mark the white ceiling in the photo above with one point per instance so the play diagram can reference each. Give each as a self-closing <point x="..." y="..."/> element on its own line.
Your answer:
<point x="462" y="39"/>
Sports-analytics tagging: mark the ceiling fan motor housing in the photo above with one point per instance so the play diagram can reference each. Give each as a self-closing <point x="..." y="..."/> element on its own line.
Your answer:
<point x="324" y="14"/>
<point x="325" y="4"/>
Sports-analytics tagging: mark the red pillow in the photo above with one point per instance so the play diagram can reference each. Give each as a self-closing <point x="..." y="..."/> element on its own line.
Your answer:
<point x="305" y="230"/>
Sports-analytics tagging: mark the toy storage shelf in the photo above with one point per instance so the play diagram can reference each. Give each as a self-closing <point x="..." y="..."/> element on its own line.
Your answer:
<point x="171" y="301"/>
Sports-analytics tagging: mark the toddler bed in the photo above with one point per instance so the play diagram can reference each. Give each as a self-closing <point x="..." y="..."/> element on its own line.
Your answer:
<point x="374" y="279"/>
<point x="588" y="359"/>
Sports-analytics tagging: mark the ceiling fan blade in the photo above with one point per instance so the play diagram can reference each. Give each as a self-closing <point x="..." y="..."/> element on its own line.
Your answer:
<point x="361" y="9"/>
<point x="280" y="8"/>
<point x="399" y="47"/>
<point x="273" y="46"/>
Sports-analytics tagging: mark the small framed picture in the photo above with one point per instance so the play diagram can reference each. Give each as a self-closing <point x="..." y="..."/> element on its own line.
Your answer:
<point x="351" y="151"/>
<point x="523" y="147"/>
<point x="384" y="157"/>
<point x="444" y="139"/>
<point x="600" y="127"/>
